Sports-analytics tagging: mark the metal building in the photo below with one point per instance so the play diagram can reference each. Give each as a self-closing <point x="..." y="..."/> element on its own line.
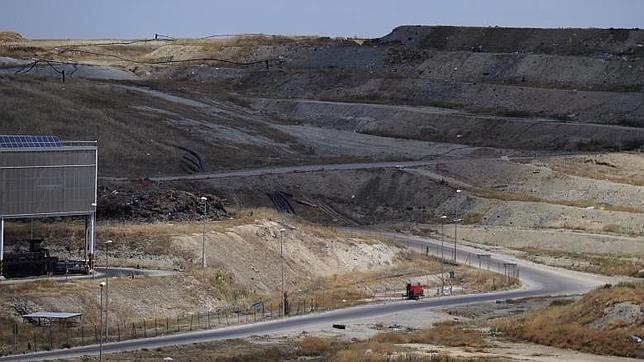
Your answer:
<point x="41" y="176"/>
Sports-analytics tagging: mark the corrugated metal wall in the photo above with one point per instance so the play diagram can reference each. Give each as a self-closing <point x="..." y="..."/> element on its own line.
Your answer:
<point x="46" y="182"/>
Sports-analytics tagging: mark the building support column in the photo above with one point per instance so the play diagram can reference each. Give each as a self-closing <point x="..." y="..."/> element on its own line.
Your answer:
<point x="1" y="248"/>
<point x="91" y="238"/>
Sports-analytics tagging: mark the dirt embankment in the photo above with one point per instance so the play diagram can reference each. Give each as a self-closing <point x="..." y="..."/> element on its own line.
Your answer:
<point x="243" y="259"/>
<point x="601" y="322"/>
<point x="485" y="99"/>
<point x="10" y="36"/>
<point x="508" y="40"/>
<point x="147" y="202"/>
<point x="429" y="124"/>
<point x="250" y="253"/>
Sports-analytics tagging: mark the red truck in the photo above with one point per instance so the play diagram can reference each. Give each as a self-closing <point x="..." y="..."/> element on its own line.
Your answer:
<point x="414" y="291"/>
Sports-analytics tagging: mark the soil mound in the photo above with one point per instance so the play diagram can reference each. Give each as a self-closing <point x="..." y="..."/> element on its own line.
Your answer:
<point x="570" y="41"/>
<point x="152" y="204"/>
<point x="10" y="36"/>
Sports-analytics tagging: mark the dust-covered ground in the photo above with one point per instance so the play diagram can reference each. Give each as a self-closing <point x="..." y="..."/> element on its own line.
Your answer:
<point x="600" y="322"/>
<point x="540" y="130"/>
<point x="323" y="269"/>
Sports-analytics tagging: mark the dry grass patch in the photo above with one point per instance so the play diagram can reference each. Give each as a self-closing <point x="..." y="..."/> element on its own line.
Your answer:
<point x="314" y="346"/>
<point x="242" y="350"/>
<point x="156" y="238"/>
<point x="587" y="262"/>
<point x="446" y="334"/>
<point x="571" y="326"/>
<point x="611" y="228"/>
<point x="10" y="37"/>
<point x="231" y="350"/>
<point x="513" y="196"/>
<point x="623" y="168"/>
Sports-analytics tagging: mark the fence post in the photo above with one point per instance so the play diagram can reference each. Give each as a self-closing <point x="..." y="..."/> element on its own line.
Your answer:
<point x="208" y="319"/>
<point x="145" y="329"/>
<point x="118" y="330"/>
<point x="51" y="336"/>
<point x="218" y="322"/>
<point x="191" y="316"/>
<point x="14" y="331"/>
<point x="133" y="331"/>
<point x="156" y="331"/>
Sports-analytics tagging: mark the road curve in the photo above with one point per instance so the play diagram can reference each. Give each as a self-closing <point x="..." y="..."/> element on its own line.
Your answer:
<point x="292" y="169"/>
<point x="99" y="274"/>
<point x="538" y="280"/>
<point x="275" y="170"/>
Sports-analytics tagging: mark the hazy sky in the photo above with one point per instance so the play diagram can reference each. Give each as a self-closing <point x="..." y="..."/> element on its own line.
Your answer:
<point x="367" y="18"/>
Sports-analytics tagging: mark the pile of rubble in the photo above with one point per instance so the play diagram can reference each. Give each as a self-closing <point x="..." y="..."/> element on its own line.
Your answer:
<point x="157" y="205"/>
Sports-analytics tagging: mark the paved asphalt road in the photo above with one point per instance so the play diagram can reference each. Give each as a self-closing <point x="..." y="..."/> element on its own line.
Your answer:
<point x="100" y="273"/>
<point x="537" y="280"/>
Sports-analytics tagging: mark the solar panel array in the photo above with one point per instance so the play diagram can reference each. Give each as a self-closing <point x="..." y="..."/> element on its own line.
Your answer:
<point x="29" y="141"/>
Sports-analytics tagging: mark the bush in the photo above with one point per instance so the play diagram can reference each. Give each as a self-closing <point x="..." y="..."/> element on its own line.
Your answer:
<point x="611" y="228"/>
<point x="569" y="326"/>
<point x="314" y="346"/>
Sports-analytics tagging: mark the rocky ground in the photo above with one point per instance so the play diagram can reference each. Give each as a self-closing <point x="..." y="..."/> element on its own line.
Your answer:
<point x="540" y="129"/>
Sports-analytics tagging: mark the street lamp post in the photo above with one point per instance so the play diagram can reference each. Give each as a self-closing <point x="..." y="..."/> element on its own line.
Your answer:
<point x="456" y="221"/>
<point x="203" y="239"/>
<point x="282" y="230"/>
<point x="107" y="290"/>
<point x="100" y="344"/>
<point x="92" y="239"/>
<point x="442" y="254"/>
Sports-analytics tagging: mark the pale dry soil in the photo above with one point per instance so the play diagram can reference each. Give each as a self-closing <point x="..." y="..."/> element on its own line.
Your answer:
<point x="289" y="343"/>
<point x="322" y="266"/>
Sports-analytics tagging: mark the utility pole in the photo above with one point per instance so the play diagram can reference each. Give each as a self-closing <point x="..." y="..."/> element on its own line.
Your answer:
<point x="203" y="238"/>
<point x="282" y="262"/>
<point x="100" y="344"/>
<point x="442" y="254"/>
<point x="456" y="221"/>
<point x="107" y="291"/>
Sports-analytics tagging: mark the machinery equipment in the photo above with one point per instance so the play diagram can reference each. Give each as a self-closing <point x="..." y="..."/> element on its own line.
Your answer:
<point x="37" y="261"/>
<point x="414" y="291"/>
